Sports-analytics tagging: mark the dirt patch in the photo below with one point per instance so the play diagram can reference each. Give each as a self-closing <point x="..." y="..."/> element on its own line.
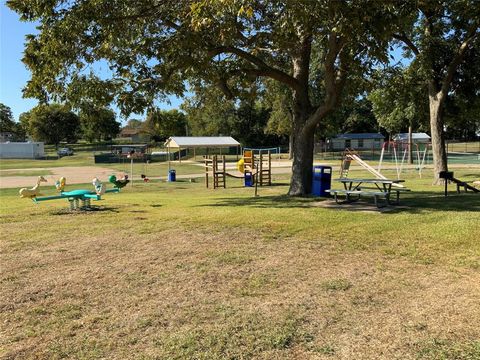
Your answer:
<point x="74" y="175"/>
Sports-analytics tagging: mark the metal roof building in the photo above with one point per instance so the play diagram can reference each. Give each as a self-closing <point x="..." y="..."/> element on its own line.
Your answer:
<point x="184" y="142"/>
<point x="352" y="136"/>
<point x="197" y="142"/>
<point x="416" y="137"/>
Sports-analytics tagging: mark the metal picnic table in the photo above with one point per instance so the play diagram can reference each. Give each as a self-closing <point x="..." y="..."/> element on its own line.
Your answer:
<point x="376" y="188"/>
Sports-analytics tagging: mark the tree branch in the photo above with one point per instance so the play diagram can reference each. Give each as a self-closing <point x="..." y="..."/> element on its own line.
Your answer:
<point x="452" y="67"/>
<point x="262" y="70"/>
<point x="335" y="79"/>
<point x="407" y="41"/>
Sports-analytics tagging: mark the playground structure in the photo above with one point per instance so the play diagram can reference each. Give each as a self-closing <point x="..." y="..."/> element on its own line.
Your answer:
<point x="257" y="168"/>
<point x="448" y="176"/>
<point x="78" y="199"/>
<point x="399" y="150"/>
<point x="119" y="183"/>
<point x="350" y="155"/>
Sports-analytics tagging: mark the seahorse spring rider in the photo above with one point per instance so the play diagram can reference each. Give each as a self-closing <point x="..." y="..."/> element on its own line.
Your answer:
<point x="74" y="197"/>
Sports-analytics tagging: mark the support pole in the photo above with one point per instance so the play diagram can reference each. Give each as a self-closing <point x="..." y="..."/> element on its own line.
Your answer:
<point x="131" y="170"/>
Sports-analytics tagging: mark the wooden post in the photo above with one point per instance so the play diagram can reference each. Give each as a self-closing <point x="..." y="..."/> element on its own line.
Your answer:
<point x="260" y="168"/>
<point x="206" y="171"/>
<point x="224" y="176"/>
<point x="131" y="170"/>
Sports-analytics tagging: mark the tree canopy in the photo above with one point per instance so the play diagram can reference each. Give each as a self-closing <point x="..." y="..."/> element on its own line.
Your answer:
<point x="52" y="124"/>
<point x="98" y="123"/>
<point x="442" y="37"/>
<point x="154" y="49"/>
<point x="161" y="124"/>
<point x="7" y="123"/>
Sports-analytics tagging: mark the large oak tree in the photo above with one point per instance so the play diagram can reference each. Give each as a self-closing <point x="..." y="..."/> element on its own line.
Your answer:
<point x="153" y="48"/>
<point x="441" y="36"/>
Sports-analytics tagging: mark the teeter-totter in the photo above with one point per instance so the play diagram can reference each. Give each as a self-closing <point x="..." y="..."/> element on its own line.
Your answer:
<point x="79" y="199"/>
<point x="448" y="176"/>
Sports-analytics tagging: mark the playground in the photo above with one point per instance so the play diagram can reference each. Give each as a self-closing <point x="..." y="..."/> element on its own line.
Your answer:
<point x="178" y="270"/>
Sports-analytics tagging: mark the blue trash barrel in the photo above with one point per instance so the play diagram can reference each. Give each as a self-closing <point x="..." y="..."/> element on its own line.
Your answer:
<point x="171" y="175"/>
<point x="248" y="178"/>
<point x="321" y="180"/>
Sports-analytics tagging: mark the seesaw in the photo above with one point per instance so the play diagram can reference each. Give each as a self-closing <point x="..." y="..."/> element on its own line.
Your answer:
<point x="74" y="197"/>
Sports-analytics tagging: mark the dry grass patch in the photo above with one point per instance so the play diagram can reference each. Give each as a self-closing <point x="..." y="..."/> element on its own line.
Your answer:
<point x="174" y="271"/>
<point x="182" y="294"/>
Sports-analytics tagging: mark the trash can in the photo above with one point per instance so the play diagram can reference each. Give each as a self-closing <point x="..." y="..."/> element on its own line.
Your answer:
<point x="322" y="180"/>
<point x="248" y="178"/>
<point x="171" y="175"/>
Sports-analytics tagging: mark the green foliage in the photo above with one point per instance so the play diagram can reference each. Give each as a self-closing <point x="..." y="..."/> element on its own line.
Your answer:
<point x="210" y="115"/>
<point x="278" y="98"/>
<point x="152" y="48"/>
<point x="399" y="100"/>
<point x="52" y="124"/>
<point x="134" y="123"/>
<point x="98" y="123"/>
<point x="161" y="124"/>
<point x="7" y="124"/>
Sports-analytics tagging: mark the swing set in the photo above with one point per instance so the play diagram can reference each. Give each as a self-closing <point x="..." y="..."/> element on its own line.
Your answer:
<point x="398" y="152"/>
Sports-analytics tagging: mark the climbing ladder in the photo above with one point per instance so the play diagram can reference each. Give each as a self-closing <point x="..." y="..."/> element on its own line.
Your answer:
<point x="217" y="169"/>
<point x="265" y="169"/>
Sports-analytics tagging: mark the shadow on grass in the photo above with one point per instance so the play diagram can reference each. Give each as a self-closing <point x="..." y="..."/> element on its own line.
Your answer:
<point x="93" y="209"/>
<point x="435" y="201"/>
<point x="277" y="201"/>
<point x="415" y="202"/>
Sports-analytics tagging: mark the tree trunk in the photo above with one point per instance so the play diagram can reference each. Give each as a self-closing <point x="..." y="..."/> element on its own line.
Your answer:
<point x="438" y="140"/>
<point x="290" y="146"/>
<point x="302" y="136"/>
<point x="301" y="181"/>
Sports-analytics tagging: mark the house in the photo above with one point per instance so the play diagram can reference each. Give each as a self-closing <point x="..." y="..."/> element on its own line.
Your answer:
<point x="134" y="135"/>
<point x="417" y="138"/>
<point x="360" y="141"/>
<point x="22" y="150"/>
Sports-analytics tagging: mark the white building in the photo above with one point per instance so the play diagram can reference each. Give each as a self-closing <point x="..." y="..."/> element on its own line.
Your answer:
<point x="416" y="138"/>
<point x="183" y="143"/>
<point x="22" y="150"/>
<point x="360" y="141"/>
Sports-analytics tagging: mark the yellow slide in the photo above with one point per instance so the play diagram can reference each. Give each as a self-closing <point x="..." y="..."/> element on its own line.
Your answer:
<point x="241" y="165"/>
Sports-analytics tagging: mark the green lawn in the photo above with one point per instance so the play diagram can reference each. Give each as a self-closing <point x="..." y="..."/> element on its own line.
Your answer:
<point x="79" y="159"/>
<point x="177" y="271"/>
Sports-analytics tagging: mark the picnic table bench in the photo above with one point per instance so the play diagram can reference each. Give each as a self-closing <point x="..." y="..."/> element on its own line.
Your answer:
<point x="378" y="189"/>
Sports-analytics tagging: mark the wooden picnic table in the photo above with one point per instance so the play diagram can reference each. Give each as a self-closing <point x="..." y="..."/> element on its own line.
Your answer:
<point x="354" y="188"/>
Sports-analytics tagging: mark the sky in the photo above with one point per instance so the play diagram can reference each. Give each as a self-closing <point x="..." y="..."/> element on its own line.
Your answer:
<point x="13" y="73"/>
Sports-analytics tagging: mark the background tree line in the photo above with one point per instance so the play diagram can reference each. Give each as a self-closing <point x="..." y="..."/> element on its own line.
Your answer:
<point x="55" y="123"/>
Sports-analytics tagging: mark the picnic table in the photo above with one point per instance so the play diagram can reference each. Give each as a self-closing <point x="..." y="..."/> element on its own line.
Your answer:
<point x="355" y="188"/>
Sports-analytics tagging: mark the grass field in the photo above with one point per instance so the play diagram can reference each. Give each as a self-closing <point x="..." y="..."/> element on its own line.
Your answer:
<point x="176" y="271"/>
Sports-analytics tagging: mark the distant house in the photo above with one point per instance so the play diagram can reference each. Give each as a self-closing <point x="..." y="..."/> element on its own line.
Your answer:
<point x="416" y="138"/>
<point x="360" y="141"/>
<point x="134" y="135"/>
